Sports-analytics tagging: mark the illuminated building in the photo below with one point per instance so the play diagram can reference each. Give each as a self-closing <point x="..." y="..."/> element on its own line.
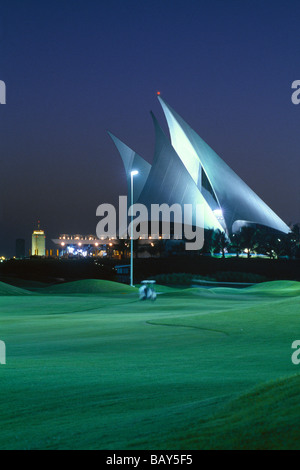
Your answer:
<point x="187" y="171"/>
<point x="84" y="246"/>
<point x="38" y="247"/>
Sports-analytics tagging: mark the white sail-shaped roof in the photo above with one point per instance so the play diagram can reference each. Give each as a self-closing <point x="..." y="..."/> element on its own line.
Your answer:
<point x="236" y="200"/>
<point x="188" y="171"/>
<point x="132" y="161"/>
<point x="170" y="183"/>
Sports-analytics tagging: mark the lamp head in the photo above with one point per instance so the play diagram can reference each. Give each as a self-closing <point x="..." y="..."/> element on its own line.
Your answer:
<point x="134" y="173"/>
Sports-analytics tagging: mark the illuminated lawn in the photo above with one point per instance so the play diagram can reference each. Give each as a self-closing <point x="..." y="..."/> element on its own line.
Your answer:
<point x="105" y="371"/>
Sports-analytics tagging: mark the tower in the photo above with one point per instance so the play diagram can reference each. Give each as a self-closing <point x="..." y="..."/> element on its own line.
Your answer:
<point x="38" y="242"/>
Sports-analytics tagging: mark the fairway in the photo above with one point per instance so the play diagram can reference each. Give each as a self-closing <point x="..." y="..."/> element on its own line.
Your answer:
<point x="89" y="366"/>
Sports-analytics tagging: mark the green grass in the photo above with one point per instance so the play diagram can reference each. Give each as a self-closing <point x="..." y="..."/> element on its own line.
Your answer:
<point x="266" y="418"/>
<point x="90" y="286"/>
<point x="91" y="367"/>
<point x="6" y="289"/>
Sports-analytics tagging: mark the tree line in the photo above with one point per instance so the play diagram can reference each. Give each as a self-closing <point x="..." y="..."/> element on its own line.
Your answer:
<point x="249" y="241"/>
<point x="254" y="241"/>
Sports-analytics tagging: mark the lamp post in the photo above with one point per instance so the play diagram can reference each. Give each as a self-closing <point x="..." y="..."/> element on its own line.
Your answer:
<point x="133" y="173"/>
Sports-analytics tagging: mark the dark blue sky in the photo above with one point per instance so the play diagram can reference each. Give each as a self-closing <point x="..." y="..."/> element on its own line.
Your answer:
<point x="74" y="69"/>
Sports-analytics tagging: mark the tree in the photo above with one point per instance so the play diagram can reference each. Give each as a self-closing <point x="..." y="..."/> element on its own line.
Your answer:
<point x="237" y="243"/>
<point x="249" y="239"/>
<point x="286" y="244"/>
<point x="208" y="246"/>
<point x="220" y="241"/>
<point x="269" y="244"/>
<point x="295" y="236"/>
<point x="295" y="230"/>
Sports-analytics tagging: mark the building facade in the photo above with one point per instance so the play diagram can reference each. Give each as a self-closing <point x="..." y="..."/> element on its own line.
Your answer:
<point x="38" y="247"/>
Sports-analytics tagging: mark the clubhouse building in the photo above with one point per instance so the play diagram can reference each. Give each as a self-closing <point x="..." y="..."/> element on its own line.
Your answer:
<point x="185" y="170"/>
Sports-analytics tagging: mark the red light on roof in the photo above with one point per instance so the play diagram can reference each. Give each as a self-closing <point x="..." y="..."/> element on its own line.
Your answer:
<point x="158" y="92"/>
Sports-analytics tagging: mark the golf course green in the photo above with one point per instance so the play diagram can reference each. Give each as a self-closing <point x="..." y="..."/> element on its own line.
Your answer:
<point x="89" y="366"/>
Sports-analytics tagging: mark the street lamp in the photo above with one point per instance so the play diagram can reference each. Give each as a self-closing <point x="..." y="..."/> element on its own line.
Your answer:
<point x="133" y="173"/>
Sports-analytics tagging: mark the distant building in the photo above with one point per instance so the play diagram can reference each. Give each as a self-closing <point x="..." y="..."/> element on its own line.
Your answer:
<point x="83" y="246"/>
<point x="20" y="248"/>
<point x="38" y="242"/>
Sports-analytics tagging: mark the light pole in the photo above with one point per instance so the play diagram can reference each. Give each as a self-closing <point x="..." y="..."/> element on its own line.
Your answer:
<point x="133" y="173"/>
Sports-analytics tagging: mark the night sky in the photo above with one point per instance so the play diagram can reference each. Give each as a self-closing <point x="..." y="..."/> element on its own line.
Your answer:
<point x="74" y="69"/>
